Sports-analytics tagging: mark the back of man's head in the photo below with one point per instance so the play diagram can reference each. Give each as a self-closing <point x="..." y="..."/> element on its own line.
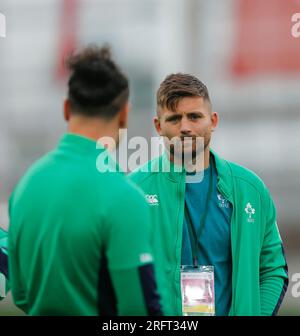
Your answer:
<point x="97" y="87"/>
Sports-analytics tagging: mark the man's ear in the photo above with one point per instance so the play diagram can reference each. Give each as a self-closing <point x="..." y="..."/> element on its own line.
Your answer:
<point x="157" y="125"/>
<point x="123" y="115"/>
<point x="214" y="120"/>
<point x="67" y="110"/>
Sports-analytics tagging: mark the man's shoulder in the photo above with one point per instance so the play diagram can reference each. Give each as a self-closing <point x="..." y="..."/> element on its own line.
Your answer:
<point x="35" y="168"/>
<point x="123" y="185"/>
<point x="146" y="171"/>
<point x="245" y="175"/>
<point x="123" y="193"/>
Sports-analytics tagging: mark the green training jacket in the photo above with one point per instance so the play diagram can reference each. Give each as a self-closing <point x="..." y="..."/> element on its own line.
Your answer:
<point x="78" y="241"/>
<point x="259" y="268"/>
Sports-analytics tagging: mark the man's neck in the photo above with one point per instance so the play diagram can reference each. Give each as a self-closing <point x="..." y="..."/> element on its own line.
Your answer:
<point x="92" y="129"/>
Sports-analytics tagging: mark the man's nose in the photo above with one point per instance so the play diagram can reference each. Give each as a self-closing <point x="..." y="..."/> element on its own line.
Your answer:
<point x="185" y="128"/>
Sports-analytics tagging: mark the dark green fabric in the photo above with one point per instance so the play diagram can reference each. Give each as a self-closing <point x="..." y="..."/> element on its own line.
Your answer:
<point x="64" y="215"/>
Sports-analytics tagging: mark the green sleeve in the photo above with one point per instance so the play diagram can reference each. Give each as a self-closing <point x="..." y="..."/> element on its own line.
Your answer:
<point x="273" y="266"/>
<point x="128" y="252"/>
<point x="128" y="289"/>
<point x="18" y="292"/>
<point x="128" y="231"/>
<point x="16" y="283"/>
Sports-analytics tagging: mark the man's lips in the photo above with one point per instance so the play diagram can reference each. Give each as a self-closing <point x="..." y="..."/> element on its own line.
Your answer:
<point x="189" y="139"/>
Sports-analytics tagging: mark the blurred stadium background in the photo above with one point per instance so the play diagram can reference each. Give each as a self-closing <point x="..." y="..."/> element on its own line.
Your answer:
<point x="242" y="49"/>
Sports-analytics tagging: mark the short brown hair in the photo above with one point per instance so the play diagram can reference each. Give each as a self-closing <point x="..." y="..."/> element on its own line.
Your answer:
<point x="177" y="86"/>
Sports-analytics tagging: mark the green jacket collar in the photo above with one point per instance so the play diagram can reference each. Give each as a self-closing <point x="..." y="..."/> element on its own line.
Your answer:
<point x="79" y="143"/>
<point x="225" y="183"/>
<point x="91" y="149"/>
<point x="76" y="142"/>
<point x="174" y="172"/>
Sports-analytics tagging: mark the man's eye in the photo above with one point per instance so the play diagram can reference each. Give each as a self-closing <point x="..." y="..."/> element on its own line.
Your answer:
<point x="194" y="116"/>
<point x="174" y="119"/>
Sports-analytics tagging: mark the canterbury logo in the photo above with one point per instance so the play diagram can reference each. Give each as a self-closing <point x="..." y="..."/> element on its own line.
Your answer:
<point x="152" y="199"/>
<point x="146" y="257"/>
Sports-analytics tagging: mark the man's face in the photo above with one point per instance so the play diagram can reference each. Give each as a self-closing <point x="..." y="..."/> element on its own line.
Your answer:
<point x="193" y="118"/>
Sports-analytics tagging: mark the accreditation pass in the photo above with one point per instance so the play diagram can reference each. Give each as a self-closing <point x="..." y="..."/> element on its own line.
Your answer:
<point x="197" y="291"/>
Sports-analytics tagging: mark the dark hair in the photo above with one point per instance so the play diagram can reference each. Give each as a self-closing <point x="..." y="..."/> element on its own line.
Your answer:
<point x="177" y="86"/>
<point x="96" y="87"/>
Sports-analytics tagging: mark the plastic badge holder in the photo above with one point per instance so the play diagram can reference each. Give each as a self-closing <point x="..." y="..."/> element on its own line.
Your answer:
<point x="197" y="290"/>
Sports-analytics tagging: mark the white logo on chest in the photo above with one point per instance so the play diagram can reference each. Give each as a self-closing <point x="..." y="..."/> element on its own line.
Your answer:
<point x="250" y="211"/>
<point x="223" y="203"/>
<point x="152" y="199"/>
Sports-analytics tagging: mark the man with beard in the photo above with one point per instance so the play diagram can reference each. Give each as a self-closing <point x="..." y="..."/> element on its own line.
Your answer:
<point x="215" y="239"/>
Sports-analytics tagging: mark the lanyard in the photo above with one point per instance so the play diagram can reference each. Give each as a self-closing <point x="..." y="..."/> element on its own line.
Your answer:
<point x="195" y="236"/>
